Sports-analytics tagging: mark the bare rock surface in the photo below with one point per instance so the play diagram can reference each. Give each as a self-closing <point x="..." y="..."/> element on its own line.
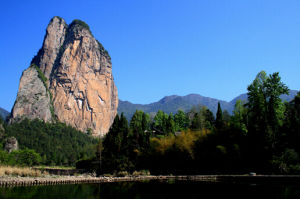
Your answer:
<point x="54" y="39"/>
<point x="11" y="144"/>
<point x="32" y="101"/>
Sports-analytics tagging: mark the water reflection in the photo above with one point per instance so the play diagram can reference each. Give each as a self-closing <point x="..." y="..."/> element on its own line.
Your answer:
<point x="153" y="189"/>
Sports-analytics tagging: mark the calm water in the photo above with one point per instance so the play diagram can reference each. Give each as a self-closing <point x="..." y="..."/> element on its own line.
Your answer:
<point x="155" y="190"/>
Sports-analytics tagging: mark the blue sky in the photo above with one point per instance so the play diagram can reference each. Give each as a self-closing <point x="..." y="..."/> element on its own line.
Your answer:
<point x="163" y="47"/>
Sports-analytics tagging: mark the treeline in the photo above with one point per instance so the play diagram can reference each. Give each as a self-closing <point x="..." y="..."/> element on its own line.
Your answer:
<point x="46" y="144"/>
<point x="25" y="157"/>
<point x="261" y="135"/>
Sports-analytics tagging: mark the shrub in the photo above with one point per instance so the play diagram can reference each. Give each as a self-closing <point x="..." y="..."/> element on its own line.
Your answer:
<point x="26" y="157"/>
<point x="81" y="24"/>
<point x="141" y="173"/>
<point x="122" y="174"/>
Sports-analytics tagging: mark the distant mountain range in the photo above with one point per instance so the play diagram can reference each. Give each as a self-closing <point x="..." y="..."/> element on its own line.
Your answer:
<point x="173" y="103"/>
<point x="3" y="113"/>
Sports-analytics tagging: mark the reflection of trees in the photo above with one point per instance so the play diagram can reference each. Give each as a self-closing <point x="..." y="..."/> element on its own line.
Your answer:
<point x="152" y="189"/>
<point x="45" y="192"/>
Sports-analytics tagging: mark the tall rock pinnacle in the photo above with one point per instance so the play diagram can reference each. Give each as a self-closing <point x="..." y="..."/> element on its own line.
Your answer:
<point x="54" y="39"/>
<point x="76" y="74"/>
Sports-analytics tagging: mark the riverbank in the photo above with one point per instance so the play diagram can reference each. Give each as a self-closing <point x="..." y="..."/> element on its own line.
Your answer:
<point x="55" y="180"/>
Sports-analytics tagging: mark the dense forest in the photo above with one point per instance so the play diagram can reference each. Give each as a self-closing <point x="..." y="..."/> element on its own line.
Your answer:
<point x="261" y="135"/>
<point x="46" y="144"/>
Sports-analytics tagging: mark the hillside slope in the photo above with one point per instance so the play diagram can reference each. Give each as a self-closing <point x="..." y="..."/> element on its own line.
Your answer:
<point x="3" y="113"/>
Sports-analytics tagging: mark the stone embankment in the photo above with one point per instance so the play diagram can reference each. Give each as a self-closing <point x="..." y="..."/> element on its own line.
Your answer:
<point x="56" y="180"/>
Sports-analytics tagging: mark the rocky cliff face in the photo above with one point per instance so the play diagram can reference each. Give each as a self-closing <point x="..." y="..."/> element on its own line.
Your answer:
<point x="54" y="39"/>
<point x="32" y="101"/>
<point x="76" y="77"/>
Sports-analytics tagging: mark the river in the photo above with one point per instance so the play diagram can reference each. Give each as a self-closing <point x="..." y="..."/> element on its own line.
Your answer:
<point x="154" y="190"/>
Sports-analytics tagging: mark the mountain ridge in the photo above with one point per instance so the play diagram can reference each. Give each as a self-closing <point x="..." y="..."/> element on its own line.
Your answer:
<point x="4" y="113"/>
<point x="173" y="103"/>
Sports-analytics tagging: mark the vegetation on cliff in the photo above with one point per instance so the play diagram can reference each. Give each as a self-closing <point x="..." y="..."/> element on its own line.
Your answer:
<point x="81" y="24"/>
<point x="44" y="79"/>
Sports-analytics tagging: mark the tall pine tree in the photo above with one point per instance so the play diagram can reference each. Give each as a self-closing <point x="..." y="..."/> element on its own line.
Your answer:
<point x="219" y="118"/>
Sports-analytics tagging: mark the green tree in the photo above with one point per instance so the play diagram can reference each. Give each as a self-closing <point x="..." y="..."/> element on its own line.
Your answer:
<point x="117" y="147"/>
<point x="26" y="157"/>
<point x="140" y="121"/>
<point x="99" y="149"/>
<point x="266" y="110"/>
<point x="160" y="122"/>
<point x="257" y="104"/>
<point x="170" y="125"/>
<point x="181" y="121"/>
<point x="226" y="117"/>
<point x="124" y="128"/>
<point x="137" y="127"/>
<point x="292" y="123"/>
<point x="265" y="115"/>
<point x="275" y="107"/>
<point x="138" y="140"/>
<point x="196" y="122"/>
<point x="201" y="119"/>
<point x="219" y="118"/>
<point x="238" y="120"/>
<point x="146" y="122"/>
<point x="113" y="138"/>
<point x="209" y="119"/>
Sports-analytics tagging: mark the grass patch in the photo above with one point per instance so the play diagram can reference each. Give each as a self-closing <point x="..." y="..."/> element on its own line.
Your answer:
<point x="20" y="171"/>
<point x="54" y="167"/>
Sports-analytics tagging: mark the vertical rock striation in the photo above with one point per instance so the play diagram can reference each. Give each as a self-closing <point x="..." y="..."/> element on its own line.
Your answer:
<point x="77" y="79"/>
